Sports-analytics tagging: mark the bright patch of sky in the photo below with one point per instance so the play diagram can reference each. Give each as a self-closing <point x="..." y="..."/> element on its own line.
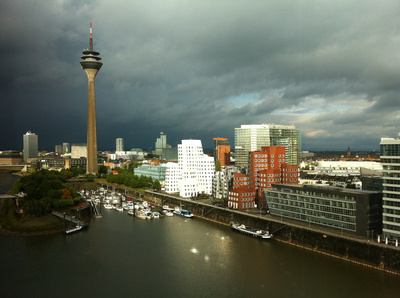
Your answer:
<point x="243" y="99"/>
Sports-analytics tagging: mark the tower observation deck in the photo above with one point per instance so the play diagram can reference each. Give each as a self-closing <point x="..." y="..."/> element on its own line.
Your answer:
<point x="91" y="65"/>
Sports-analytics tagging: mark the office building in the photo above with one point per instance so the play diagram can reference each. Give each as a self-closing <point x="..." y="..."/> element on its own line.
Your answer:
<point x="161" y="143"/>
<point x="390" y="159"/>
<point x="78" y="150"/>
<point x="156" y="172"/>
<point x="265" y="168"/>
<point x="346" y="210"/>
<point x="222" y="182"/>
<point x="58" y="149"/>
<point x="193" y="174"/>
<point x="30" y="141"/>
<point x="222" y="151"/>
<point x="91" y="65"/>
<point x="252" y="137"/>
<point x="119" y="146"/>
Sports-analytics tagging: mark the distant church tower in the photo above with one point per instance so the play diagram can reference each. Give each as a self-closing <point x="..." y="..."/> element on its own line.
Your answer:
<point x="348" y="152"/>
<point x="91" y="65"/>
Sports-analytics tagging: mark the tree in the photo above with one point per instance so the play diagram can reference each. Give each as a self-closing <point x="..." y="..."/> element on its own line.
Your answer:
<point x="218" y="167"/>
<point x="157" y="185"/>
<point x="66" y="194"/>
<point x="103" y="169"/>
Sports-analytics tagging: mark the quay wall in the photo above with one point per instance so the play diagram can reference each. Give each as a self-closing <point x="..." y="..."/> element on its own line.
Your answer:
<point x="363" y="252"/>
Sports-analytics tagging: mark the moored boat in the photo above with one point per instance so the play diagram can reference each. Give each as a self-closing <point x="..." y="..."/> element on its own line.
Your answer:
<point x="74" y="229"/>
<point x="183" y="213"/>
<point x="250" y="231"/>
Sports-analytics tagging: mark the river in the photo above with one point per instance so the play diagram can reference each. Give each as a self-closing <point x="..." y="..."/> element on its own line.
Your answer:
<point x="175" y="257"/>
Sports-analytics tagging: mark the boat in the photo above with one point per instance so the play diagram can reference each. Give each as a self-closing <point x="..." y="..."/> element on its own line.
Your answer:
<point x="166" y="207"/>
<point x="107" y="206"/>
<point x="249" y="231"/>
<point x="119" y="208"/>
<point x="168" y="213"/>
<point x="74" y="229"/>
<point x="140" y="214"/>
<point x="156" y="215"/>
<point x="182" y="212"/>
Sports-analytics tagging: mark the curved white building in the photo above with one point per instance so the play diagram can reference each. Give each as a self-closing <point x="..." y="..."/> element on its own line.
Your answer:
<point x="193" y="173"/>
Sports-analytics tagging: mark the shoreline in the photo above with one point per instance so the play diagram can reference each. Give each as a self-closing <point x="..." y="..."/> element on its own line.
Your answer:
<point x="393" y="272"/>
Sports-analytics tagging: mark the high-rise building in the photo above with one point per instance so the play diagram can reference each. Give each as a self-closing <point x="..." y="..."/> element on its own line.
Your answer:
<point x="58" y="149"/>
<point x="193" y="173"/>
<point x="222" y="151"/>
<point x="91" y="65"/>
<point x="161" y="143"/>
<point x="252" y="137"/>
<point x="390" y="159"/>
<point x="30" y="145"/>
<point x="119" y="145"/>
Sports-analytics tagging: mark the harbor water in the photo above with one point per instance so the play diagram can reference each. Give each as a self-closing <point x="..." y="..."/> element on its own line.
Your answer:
<point x="175" y="257"/>
<point x="123" y="256"/>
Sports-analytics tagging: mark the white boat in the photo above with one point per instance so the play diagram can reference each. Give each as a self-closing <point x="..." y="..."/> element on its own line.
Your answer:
<point x="149" y="215"/>
<point x="108" y="206"/>
<point x="131" y="212"/>
<point x="119" y="208"/>
<point x="156" y="215"/>
<point x="74" y="229"/>
<point x="249" y="231"/>
<point x="166" y="207"/>
<point x="168" y="213"/>
<point x="182" y="212"/>
<point x="141" y="215"/>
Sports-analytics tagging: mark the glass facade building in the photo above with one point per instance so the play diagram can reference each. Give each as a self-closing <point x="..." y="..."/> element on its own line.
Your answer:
<point x="252" y="137"/>
<point x="30" y="145"/>
<point x="390" y="159"/>
<point x="155" y="172"/>
<point x="350" y="210"/>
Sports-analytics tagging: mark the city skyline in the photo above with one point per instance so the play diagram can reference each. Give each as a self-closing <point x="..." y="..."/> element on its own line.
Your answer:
<point x="331" y="69"/>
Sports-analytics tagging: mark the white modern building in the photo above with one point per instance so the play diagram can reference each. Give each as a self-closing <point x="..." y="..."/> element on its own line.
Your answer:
<point x="345" y="168"/>
<point x="30" y="145"/>
<point x="133" y="154"/>
<point x="78" y="150"/>
<point x="252" y="137"/>
<point x="222" y="182"/>
<point x="119" y="144"/>
<point x="193" y="173"/>
<point x="390" y="158"/>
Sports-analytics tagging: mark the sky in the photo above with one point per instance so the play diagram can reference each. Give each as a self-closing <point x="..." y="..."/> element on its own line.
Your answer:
<point x="200" y="69"/>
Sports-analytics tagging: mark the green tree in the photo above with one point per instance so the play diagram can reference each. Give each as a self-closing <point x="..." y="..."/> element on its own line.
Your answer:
<point x="218" y="167"/>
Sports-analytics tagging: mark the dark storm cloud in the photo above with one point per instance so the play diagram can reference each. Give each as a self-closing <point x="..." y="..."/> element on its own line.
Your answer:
<point x="200" y="69"/>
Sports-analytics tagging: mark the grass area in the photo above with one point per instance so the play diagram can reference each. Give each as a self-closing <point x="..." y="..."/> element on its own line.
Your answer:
<point x="27" y="225"/>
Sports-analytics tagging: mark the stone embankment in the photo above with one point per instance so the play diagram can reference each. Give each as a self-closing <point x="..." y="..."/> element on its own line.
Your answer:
<point x="325" y="241"/>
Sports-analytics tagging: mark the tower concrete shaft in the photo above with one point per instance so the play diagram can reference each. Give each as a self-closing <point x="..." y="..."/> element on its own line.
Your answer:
<point x="91" y="65"/>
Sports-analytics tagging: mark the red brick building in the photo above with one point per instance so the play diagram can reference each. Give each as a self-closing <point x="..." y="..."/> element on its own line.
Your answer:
<point x="224" y="154"/>
<point x="241" y="198"/>
<point x="267" y="167"/>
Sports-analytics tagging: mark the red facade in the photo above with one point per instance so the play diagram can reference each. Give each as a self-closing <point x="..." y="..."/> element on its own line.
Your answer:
<point x="268" y="167"/>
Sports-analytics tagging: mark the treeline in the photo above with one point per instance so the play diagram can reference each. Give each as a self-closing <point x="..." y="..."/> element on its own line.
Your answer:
<point x="130" y="179"/>
<point x="45" y="190"/>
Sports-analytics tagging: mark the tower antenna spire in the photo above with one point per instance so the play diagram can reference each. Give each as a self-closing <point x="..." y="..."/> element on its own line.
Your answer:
<point x="91" y="38"/>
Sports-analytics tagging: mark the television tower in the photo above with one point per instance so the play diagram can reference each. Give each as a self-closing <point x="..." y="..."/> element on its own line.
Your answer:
<point x="91" y="65"/>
